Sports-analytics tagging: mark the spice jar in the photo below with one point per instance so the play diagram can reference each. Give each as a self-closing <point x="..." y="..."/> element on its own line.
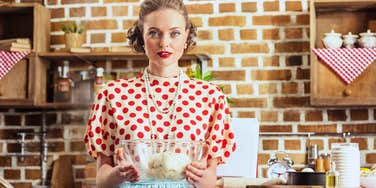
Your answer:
<point x="349" y="40"/>
<point x="319" y="165"/>
<point x="367" y="40"/>
<point x="332" y="40"/>
<point x="326" y="158"/>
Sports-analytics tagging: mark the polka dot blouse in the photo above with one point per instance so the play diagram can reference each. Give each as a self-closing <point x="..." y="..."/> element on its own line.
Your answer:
<point x="120" y="112"/>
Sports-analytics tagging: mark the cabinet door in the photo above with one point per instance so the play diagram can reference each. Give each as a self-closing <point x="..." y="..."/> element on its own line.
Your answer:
<point x="14" y="84"/>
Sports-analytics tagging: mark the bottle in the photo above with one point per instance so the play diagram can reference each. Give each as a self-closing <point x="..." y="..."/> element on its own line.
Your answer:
<point x="319" y="165"/>
<point x="99" y="82"/>
<point x="83" y="89"/>
<point x="332" y="176"/>
<point x="63" y="85"/>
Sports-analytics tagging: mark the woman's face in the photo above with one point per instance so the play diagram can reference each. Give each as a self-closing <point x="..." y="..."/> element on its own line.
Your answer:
<point x="164" y="36"/>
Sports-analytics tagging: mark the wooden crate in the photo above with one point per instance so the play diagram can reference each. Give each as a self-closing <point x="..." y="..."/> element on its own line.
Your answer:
<point x="26" y="83"/>
<point x="343" y="16"/>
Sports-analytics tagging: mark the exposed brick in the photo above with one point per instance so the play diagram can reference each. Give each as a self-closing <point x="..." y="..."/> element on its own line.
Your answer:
<point x="275" y="128"/>
<point x="12" y="120"/>
<point x="249" y="102"/>
<point x="13" y="174"/>
<point x="226" y="88"/>
<point x="78" y="1"/>
<point x="32" y="174"/>
<point x="77" y="146"/>
<point x="362" y="143"/>
<point x="229" y="75"/>
<point x="292" y="47"/>
<point x="90" y="170"/>
<point x="246" y="114"/>
<point x="271" y="75"/>
<point x="226" y="62"/>
<point x="227" y="7"/>
<point x="37" y="119"/>
<point x="270" y="61"/>
<point x="271" y="116"/>
<point x="294" y="60"/>
<point x="226" y="34"/>
<point x="359" y="114"/>
<point x="128" y="24"/>
<point x="294" y="6"/>
<point x="337" y="115"/>
<point x="294" y="33"/>
<point x="330" y="128"/>
<point x="200" y="9"/>
<point x="98" y="11"/>
<point x="100" y="24"/>
<point x="291" y="115"/>
<point x="262" y="158"/>
<point x="249" y="62"/>
<point x="57" y="13"/>
<point x="270" y="144"/>
<point x="244" y="89"/>
<point x="335" y="140"/>
<point x="374" y="143"/>
<point x="359" y="128"/>
<point x="204" y="35"/>
<point x="209" y="49"/>
<point x="54" y="133"/>
<point x="56" y="146"/>
<point x="29" y="161"/>
<point x="120" y="10"/>
<point x="292" y="144"/>
<point x="78" y="159"/>
<point x="298" y="158"/>
<point x="197" y="21"/>
<point x="136" y="10"/>
<point x="118" y="37"/>
<point x="80" y="173"/>
<point x="249" y="48"/>
<point x="288" y="102"/>
<point x="289" y="88"/>
<point x="77" y="12"/>
<point x="5" y="161"/>
<point x="22" y="185"/>
<point x="10" y="134"/>
<point x="227" y="21"/>
<point x="307" y="87"/>
<point x="270" y="34"/>
<point x="313" y="115"/>
<point x="302" y="74"/>
<point x="249" y="6"/>
<point x="280" y="20"/>
<point x="320" y="143"/>
<point x="271" y="6"/>
<point x="267" y="88"/>
<point x="302" y="19"/>
<point x="371" y="158"/>
<point x="51" y="2"/>
<point x="248" y="34"/>
<point x="15" y="148"/>
<point x="98" y="38"/>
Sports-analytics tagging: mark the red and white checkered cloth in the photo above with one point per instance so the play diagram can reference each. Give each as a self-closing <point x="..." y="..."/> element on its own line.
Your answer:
<point x="347" y="63"/>
<point x="9" y="59"/>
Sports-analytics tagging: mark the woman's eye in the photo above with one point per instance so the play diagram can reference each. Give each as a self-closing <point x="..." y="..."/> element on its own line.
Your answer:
<point x="175" y="34"/>
<point x="152" y="33"/>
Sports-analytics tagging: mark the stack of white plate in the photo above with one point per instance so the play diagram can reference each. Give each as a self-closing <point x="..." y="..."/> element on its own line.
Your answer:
<point x="347" y="160"/>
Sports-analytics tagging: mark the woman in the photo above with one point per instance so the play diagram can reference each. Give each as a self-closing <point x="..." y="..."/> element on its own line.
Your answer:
<point x="177" y="107"/>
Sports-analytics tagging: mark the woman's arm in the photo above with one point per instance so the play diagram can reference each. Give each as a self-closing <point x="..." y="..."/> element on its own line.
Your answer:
<point x="202" y="174"/>
<point x="109" y="176"/>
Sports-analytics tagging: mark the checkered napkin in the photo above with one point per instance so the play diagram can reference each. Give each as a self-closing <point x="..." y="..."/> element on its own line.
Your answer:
<point x="348" y="64"/>
<point x="9" y="59"/>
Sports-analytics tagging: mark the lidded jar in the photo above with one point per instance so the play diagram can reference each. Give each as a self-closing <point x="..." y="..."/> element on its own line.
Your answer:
<point x="367" y="40"/>
<point x="332" y="40"/>
<point x="349" y="40"/>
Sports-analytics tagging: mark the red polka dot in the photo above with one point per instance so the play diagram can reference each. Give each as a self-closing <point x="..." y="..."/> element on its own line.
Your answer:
<point x="192" y="86"/>
<point x="179" y="109"/>
<point x="187" y="127"/>
<point x="198" y="131"/>
<point x="198" y="92"/>
<point x="127" y="137"/>
<point x="111" y="84"/>
<point x="226" y="126"/>
<point x="171" y="90"/>
<point x="137" y="96"/>
<point x="125" y="110"/>
<point x="193" y="122"/>
<point x="205" y="86"/>
<point x="131" y="103"/>
<point x="98" y="141"/>
<point x="98" y="130"/>
<point x="193" y="137"/>
<point x="158" y="90"/>
<point x="100" y="96"/>
<point x="185" y="103"/>
<point x="139" y="120"/>
<point x="199" y="118"/>
<point x="138" y="85"/>
<point x="173" y="129"/>
<point x="111" y="96"/>
<point x="159" y="103"/>
<point x="214" y="149"/>
<point x="192" y="110"/>
<point x="166" y="83"/>
<point x="227" y="154"/>
<point x="179" y="135"/>
<point x="146" y="115"/>
<point x="124" y="97"/>
<point x="120" y="117"/>
<point x="160" y="129"/>
<point x="198" y="105"/>
<point x="130" y="91"/>
<point x="118" y="104"/>
<point x="91" y="134"/>
<point x="147" y="128"/>
<point x="216" y="127"/>
<point x="124" y="85"/>
<point x="132" y="115"/>
<point x="205" y="99"/>
<point x="165" y="97"/>
<point x="185" y="90"/>
<point x="155" y="82"/>
<point x="159" y="116"/>
<point x="192" y="98"/>
<point x="152" y="109"/>
<point x="166" y="123"/>
<point x="121" y="131"/>
<point x="103" y="146"/>
<point x="117" y="90"/>
<point x="140" y="135"/>
<point x="179" y="121"/>
<point x="177" y="150"/>
<point x="133" y="127"/>
<point x="231" y="135"/>
<point x="186" y="115"/>
<point x="205" y="112"/>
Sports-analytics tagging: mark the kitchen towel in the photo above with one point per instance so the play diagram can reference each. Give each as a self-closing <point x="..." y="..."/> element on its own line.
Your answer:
<point x="9" y="59"/>
<point x="348" y="64"/>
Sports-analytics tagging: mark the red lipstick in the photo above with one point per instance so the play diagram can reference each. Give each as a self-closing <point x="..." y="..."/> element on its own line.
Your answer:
<point x="164" y="54"/>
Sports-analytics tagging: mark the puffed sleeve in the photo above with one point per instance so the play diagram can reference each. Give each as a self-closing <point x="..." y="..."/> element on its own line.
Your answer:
<point x="99" y="136"/>
<point x="220" y="137"/>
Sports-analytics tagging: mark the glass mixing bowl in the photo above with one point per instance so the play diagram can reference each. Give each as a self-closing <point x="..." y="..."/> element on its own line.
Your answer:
<point x="162" y="160"/>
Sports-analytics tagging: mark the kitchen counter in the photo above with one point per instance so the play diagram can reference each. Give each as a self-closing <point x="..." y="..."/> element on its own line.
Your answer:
<point x="243" y="182"/>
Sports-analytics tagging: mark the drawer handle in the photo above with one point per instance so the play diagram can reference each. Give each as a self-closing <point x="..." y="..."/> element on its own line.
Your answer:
<point x="347" y="92"/>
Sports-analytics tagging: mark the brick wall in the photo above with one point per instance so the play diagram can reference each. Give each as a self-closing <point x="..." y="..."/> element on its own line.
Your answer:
<point x="259" y="52"/>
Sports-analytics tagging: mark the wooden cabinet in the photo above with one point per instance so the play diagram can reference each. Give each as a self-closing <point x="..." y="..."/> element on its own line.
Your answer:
<point x="343" y="16"/>
<point x="23" y="85"/>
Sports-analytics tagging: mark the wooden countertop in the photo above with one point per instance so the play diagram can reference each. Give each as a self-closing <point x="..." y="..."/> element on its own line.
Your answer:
<point x="284" y="186"/>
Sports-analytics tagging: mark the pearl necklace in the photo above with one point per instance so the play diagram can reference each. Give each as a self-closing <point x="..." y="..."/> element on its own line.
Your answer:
<point x="149" y="91"/>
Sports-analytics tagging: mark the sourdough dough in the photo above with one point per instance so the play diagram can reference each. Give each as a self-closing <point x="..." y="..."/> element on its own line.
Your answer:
<point x="167" y="165"/>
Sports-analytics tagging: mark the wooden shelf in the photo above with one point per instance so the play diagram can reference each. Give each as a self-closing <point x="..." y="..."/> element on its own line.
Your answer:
<point x="44" y="106"/>
<point x="95" y="56"/>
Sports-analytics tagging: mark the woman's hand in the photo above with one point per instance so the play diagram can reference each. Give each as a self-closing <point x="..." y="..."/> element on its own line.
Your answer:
<point x="124" y="167"/>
